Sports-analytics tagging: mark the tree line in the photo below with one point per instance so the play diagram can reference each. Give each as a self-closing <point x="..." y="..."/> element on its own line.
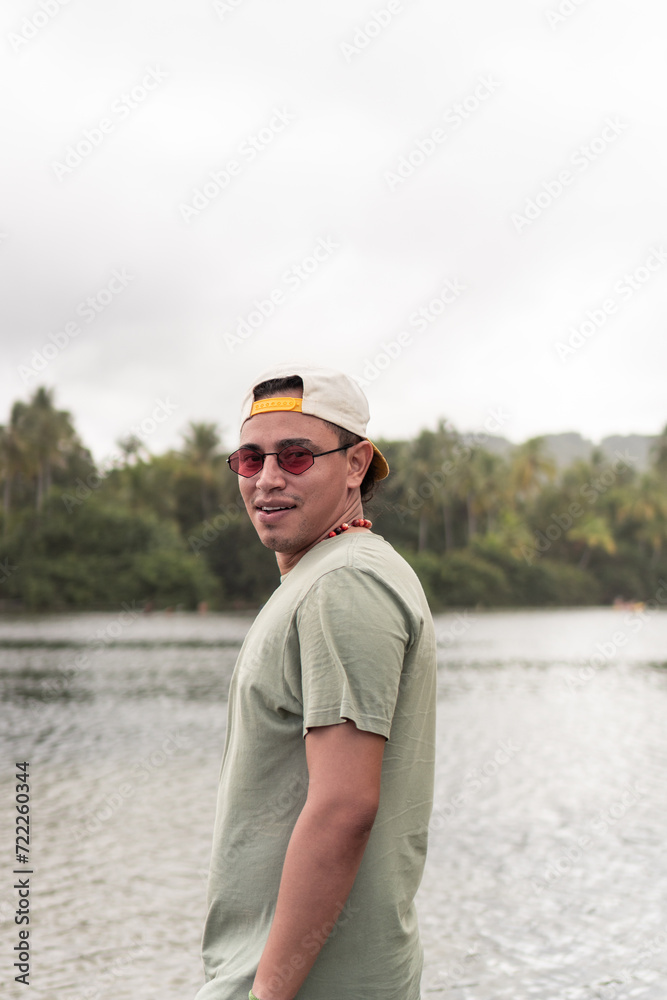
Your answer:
<point x="170" y="530"/>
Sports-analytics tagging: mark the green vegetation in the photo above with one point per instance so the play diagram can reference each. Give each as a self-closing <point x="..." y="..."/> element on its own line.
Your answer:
<point x="170" y="530"/>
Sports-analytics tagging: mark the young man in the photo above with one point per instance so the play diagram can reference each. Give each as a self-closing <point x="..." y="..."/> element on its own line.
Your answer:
<point x="327" y="775"/>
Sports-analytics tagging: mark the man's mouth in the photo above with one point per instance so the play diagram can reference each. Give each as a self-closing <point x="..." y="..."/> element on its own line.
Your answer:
<point x="273" y="512"/>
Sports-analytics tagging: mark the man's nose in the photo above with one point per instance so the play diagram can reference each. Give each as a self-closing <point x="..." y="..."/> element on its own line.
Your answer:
<point x="270" y="475"/>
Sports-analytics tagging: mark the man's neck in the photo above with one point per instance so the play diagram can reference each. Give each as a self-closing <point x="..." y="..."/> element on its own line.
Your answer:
<point x="288" y="560"/>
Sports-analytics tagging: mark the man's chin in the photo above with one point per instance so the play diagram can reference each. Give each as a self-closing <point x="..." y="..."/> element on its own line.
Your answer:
<point x="273" y="543"/>
<point x="282" y="541"/>
<point x="272" y="538"/>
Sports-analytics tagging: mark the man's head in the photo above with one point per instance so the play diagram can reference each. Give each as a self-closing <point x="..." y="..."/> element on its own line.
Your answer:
<point x="292" y="407"/>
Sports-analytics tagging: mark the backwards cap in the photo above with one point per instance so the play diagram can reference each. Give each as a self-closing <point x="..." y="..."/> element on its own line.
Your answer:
<point x="327" y="394"/>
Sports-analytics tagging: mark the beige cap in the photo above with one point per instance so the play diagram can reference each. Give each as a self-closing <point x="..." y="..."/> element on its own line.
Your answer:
<point x="328" y="394"/>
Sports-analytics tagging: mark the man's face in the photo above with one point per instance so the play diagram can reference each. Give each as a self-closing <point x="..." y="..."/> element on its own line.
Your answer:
<point x="316" y="499"/>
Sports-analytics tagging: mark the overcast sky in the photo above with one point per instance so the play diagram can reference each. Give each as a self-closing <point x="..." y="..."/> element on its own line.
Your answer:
<point x="464" y="205"/>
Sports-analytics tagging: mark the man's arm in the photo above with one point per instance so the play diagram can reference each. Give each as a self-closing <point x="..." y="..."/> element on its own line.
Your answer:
<point x="324" y="853"/>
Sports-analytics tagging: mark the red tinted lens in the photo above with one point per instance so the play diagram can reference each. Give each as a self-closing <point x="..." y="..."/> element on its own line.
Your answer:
<point x="295" y="460"/>
<point x="246" y="462"/>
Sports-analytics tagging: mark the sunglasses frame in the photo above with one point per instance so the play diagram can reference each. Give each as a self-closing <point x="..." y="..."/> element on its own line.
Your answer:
<point x="263" y="455"/>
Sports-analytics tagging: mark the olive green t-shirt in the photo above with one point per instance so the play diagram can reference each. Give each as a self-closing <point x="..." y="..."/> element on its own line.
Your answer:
<point x="347" y="635"/>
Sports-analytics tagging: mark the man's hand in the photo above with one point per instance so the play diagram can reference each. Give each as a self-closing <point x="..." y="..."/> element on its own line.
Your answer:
<point x="324" y="853"/>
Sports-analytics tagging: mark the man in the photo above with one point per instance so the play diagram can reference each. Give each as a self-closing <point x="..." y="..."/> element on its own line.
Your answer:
<point x="327" y="775"/>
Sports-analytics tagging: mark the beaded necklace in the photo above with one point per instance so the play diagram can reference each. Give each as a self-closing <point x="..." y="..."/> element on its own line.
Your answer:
<point x="359" y="522"/>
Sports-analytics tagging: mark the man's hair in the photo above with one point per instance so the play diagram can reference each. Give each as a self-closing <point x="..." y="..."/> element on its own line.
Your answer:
<point x="275" y="386"/>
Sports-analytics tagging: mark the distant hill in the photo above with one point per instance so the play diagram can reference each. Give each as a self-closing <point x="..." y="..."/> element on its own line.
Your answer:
<point x="638" y="445"/>
<point x="568" y="447"/>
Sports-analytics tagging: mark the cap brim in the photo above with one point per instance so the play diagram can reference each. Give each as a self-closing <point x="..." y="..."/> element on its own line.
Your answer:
<point x="379" y="464"/>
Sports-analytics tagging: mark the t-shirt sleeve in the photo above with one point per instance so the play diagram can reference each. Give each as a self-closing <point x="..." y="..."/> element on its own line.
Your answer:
<point x="353" y="634"/>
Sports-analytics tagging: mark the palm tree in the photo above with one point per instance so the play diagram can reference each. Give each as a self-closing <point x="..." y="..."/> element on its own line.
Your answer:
<point x="659" y="454"/>
<point x="530" y="469"/>
<point x="427" y="476"/>
<point x="48" y="437"/>
<point x="647" y="508"/>
<point x="12" y="461"/>
<point x="448" y="447"/>
<point x="510" y="533"/>
<point x="413" y="476"/>
<point x="492" y="485"/>
<point x="594" y="532"/>
<point x="132" y="448"/>
<point x="470" y="485"/>
<point x="201" y="443"/>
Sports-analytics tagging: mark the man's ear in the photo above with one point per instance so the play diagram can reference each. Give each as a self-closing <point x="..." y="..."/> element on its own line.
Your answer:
<point x="359" y="457"/>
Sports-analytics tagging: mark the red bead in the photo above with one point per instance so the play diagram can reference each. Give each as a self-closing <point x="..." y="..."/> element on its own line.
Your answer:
<point x="359" y="522"/>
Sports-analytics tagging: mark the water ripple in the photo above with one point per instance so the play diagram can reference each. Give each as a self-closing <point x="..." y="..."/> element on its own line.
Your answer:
<point x="546" y="875"/>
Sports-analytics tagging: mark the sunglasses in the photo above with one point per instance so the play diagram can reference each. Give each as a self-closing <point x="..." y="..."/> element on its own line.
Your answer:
<point x="294" y="459"/>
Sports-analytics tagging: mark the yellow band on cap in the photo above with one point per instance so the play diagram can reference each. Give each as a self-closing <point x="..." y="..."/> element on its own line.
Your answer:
<point x="276" y="403"/>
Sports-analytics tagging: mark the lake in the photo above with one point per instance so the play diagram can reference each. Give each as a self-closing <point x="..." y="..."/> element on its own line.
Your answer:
<point x="547" y="871"/>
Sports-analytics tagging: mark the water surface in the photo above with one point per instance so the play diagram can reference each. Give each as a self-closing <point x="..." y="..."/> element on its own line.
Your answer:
<point x="546" y="875"/>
